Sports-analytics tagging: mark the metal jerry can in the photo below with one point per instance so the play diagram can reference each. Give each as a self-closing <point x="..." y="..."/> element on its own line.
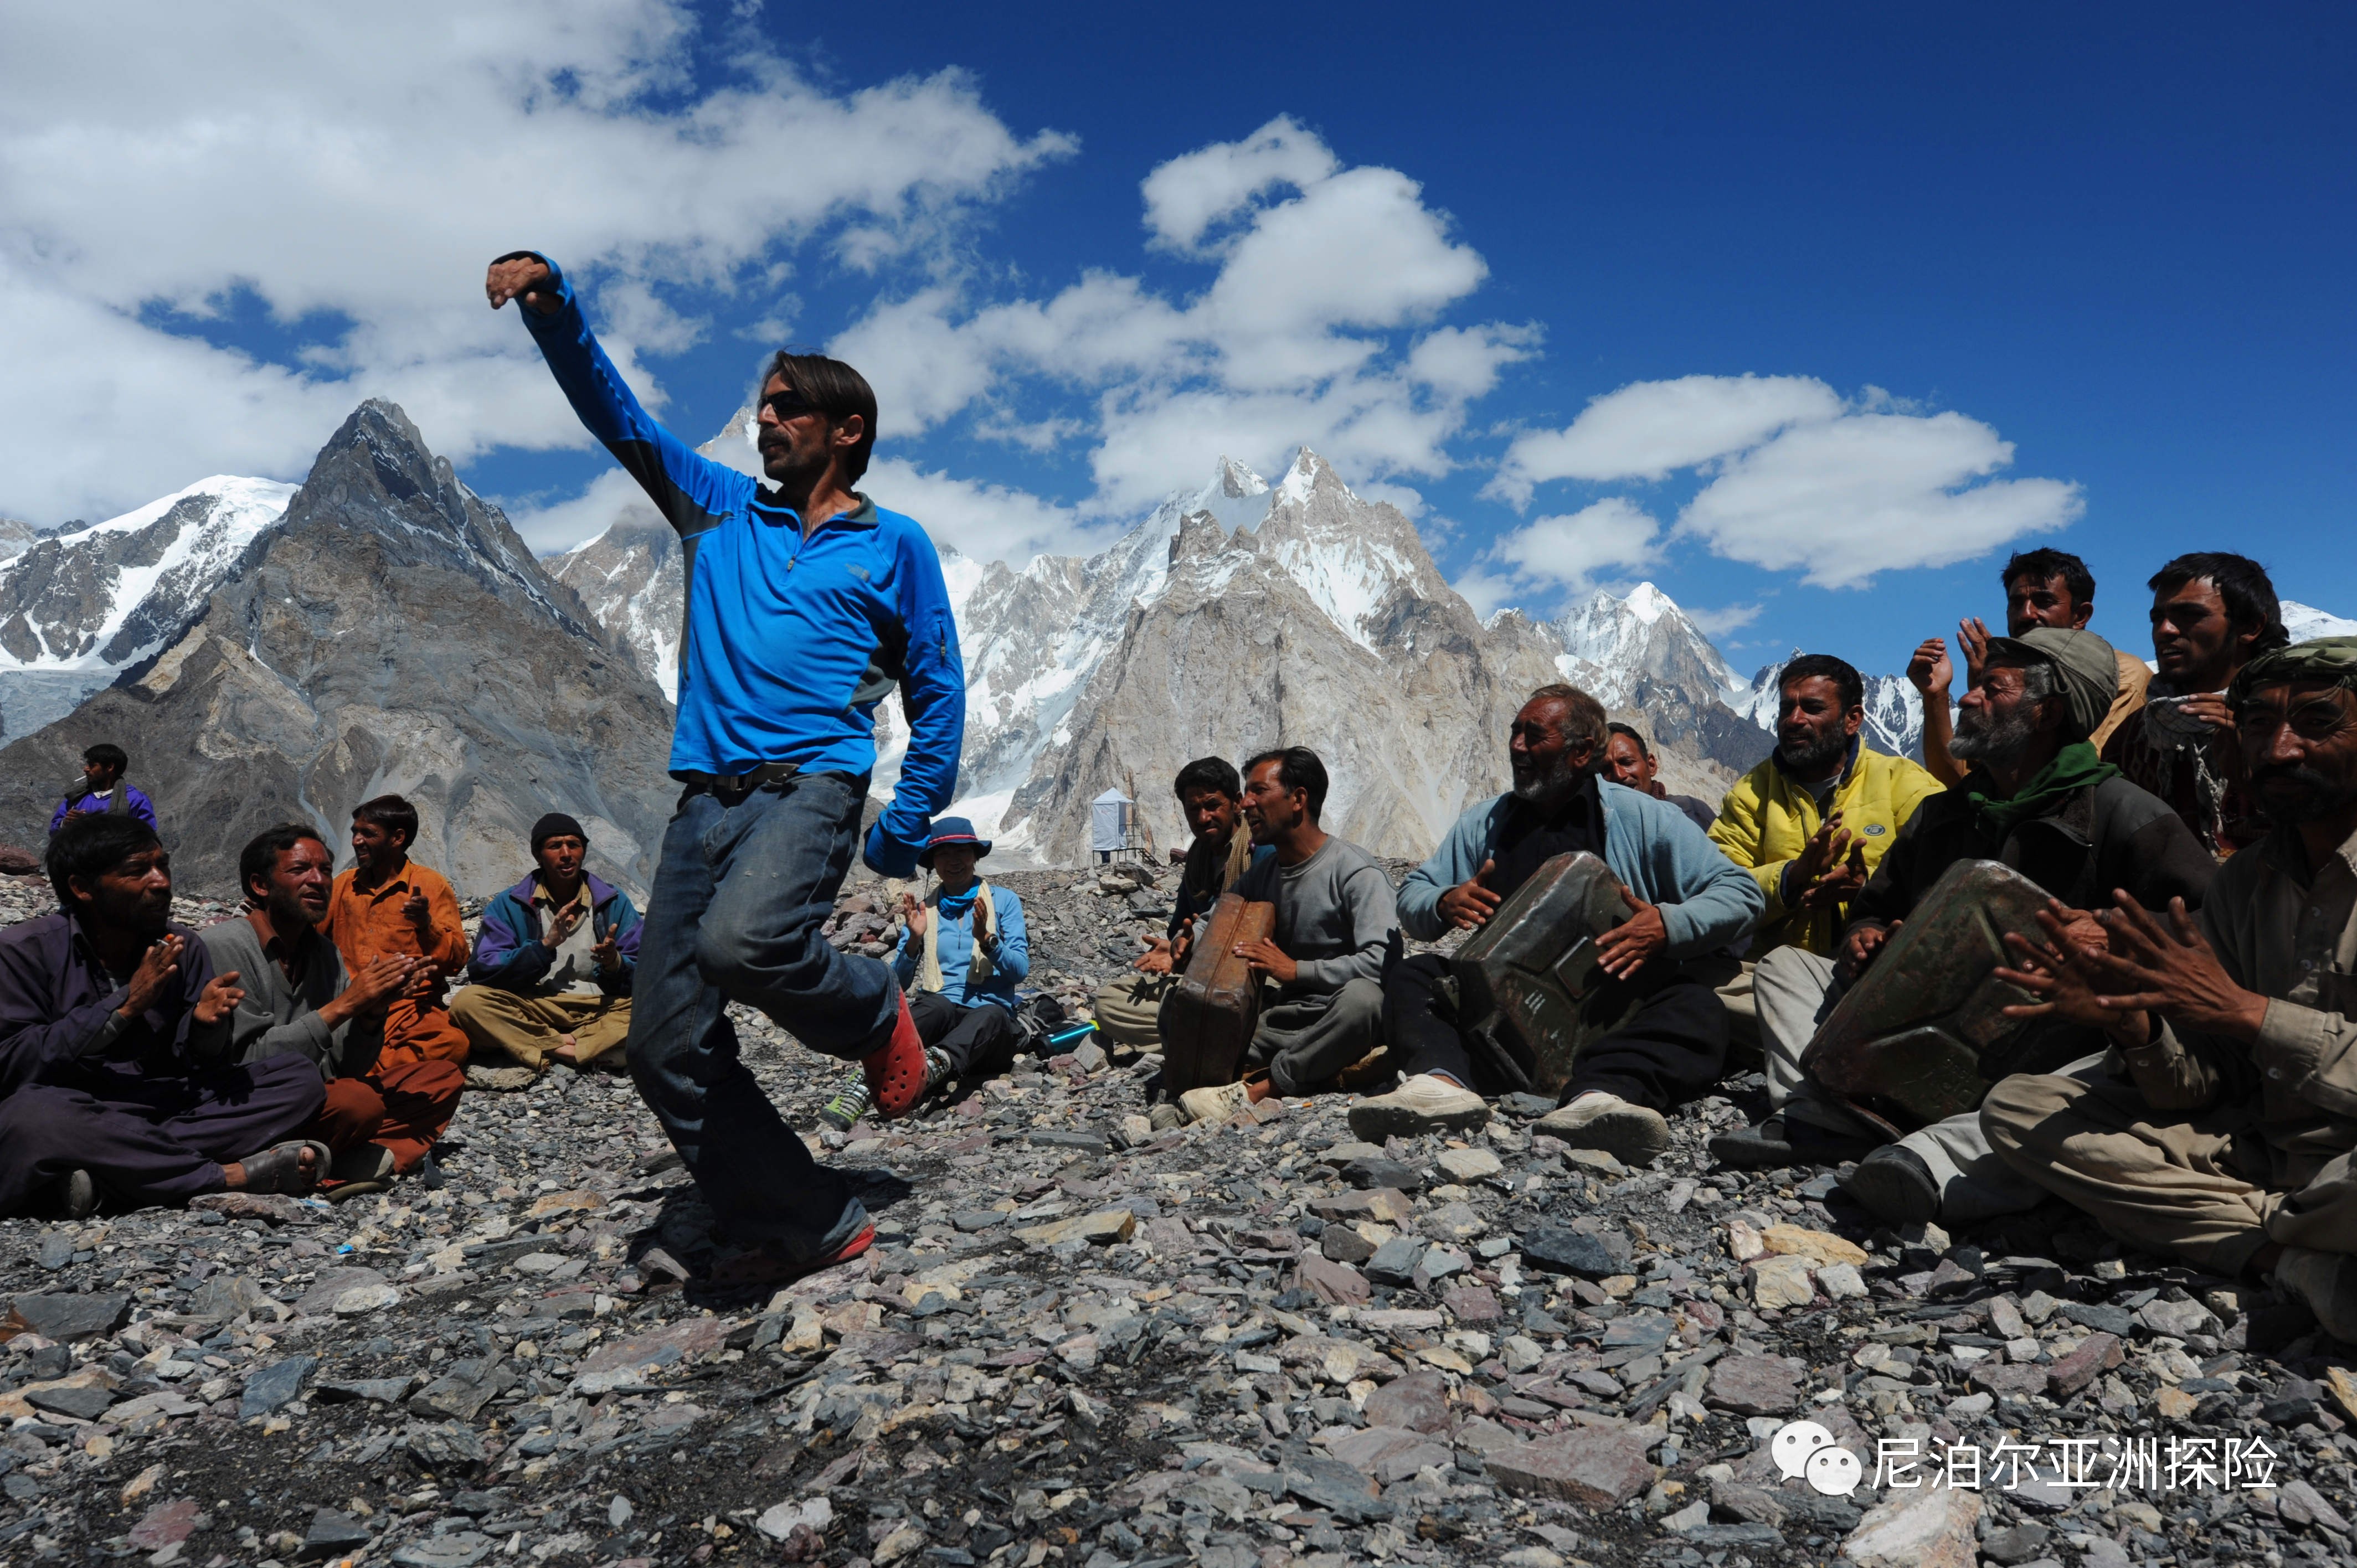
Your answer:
<point x="1208" y="1016"/>
<point x="1922" y="1035"/>
<point x="1527" y="985"/>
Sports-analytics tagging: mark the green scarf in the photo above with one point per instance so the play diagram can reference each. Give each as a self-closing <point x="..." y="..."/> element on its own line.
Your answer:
<point x="2075" y="767"/>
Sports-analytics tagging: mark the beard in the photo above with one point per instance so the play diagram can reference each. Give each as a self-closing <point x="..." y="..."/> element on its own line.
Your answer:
<point x="1547" y="784"/>
<point x="288" y="914"/>
<point x="1999" y="738"/>
<point x="2313" y="795"/>
<point x="1818" y="754"/>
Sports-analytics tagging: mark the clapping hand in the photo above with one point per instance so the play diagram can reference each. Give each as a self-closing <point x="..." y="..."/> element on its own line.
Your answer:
<point x="2174" y="972"/>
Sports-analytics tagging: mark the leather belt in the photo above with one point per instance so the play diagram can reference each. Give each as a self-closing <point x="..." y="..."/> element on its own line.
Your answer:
<point x="739" y="785"/>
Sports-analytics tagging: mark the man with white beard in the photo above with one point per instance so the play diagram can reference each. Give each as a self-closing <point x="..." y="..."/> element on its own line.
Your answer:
<point x="2037" y="798"/>
<point x="1689" y="900"/>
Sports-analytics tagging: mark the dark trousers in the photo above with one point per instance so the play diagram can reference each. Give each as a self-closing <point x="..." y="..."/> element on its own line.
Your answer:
<point x="1671" y="1049"/>
<point x="740" y="892"/>
<point x="150" y="1140"/>
<point x="978" y="1040"/>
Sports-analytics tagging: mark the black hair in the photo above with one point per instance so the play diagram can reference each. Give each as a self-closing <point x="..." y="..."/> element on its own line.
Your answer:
<point x="2042" y="563"/>
<point x="106" y="753"/>
<point x="89" y="847"/>
<point x="260" y="855"/>
<point x="1298" y="768"/>
<point x="1208" y="773"/>
<point x="1616" y="727"/>
<point x="836" y="390"/>
<point x="390" y="811"/>
<point x="2241" y="583"/>
<point x="1825" y="667"/>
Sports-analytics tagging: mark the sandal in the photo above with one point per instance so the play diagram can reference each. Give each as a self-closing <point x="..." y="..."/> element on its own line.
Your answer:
<point x="279" y="1168"/>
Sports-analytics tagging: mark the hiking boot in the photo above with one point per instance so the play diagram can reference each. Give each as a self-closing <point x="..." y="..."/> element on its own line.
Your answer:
<point x="1165" y="1118"/>
<point x="850" y="1103"/>
<point x="764" y="1265"/>
<point x="897" y="1070"/>
<point x="2328" y="1283"/>
<point x="1895" y="1185"/>
<point x="1774" y="1143"/>
<point x="938" y="1071"/>
<point x="1215" y="1104"/>
<point x="1596" y="1120"/>
<point x="78" y="1195"/>
<point x="1424" y="1103"/>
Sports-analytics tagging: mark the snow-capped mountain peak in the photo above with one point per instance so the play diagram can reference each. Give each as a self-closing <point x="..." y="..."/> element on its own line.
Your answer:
<point x="78" y="608"/>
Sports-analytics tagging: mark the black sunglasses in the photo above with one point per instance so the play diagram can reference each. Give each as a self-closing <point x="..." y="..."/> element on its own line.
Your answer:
<point x="788" y="404"/>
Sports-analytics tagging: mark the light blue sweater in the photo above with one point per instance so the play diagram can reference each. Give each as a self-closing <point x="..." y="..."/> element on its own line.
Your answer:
<point x="1010" y="958"/>
<point x="1707" y="900"/>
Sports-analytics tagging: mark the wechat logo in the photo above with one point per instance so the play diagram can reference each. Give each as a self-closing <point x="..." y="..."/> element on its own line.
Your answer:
<point x="1806" y="1450"/>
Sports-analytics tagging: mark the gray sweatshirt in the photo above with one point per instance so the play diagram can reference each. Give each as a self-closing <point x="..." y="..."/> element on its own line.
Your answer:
<point x="1335" y="915"/>
<point x="276" y="1017"/>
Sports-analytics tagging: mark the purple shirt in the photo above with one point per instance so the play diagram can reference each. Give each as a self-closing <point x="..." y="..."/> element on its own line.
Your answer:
<point x="58" y="1023"/>
<point x="134" y="804"/>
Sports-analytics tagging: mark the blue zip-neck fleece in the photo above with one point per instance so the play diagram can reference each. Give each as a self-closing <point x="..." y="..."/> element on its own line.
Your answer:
<point x="790" y="642"/>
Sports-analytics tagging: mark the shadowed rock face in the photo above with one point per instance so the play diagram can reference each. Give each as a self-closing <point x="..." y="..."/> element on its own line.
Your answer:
<point x="391" y="633"/>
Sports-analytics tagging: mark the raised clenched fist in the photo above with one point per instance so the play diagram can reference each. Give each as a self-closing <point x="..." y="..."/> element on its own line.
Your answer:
<point x="522" y="276"/>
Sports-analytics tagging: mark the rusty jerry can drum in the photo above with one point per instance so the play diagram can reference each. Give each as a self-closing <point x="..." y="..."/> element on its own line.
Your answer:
<point x="1528" y="989"/>
<point x="1924" y="1035"/>
<point x="1208" y="1017"/>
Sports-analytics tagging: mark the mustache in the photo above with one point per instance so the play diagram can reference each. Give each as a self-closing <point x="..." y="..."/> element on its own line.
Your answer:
<point x="2299" y="774"/>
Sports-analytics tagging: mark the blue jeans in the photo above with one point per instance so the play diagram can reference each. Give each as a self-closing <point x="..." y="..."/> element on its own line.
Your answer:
<point x="741" y="893"/>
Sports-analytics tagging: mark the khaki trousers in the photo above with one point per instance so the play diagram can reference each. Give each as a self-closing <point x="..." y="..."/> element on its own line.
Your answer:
<point x="1128" y="1009"/>
<point x="1796" y="990"/>
<point x="529" y="1027"/>
<point x="1732" y="981"/>
<point x="2194" y="1186"/>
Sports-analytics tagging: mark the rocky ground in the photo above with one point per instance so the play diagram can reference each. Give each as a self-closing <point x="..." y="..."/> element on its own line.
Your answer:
<point x="1251" y="1345"/>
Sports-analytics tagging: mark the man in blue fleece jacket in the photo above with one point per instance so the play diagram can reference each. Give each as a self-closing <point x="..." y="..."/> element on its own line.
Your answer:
<point x="1687" y="900"/>
<point x="806" y="604"/>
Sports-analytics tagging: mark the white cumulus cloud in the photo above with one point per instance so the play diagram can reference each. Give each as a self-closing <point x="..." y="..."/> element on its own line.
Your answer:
<point x="1613" y="538"/>
<point x="1647" y="429"/>
<point x="1318" y="325"/>
<point x="1796" y="477"/>
<point x="1867" y="493"/>
<point x="353" y="171"/>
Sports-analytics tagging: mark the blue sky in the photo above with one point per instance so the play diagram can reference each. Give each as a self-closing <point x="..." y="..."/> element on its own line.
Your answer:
<point x="2115" y="239"/>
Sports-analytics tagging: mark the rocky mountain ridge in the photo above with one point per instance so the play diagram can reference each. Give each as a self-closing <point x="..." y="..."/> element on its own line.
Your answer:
<point x="389" y="632"/>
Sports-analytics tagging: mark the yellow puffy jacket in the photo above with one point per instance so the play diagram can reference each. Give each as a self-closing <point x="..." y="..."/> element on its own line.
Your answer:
<point x="1767" y="819"/>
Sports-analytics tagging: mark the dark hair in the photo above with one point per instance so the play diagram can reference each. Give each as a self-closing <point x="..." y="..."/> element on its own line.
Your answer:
<point x="1298" y="768"/>
<point x="1616" y="727"/>
<point x="1585" y="713"/>
<point x="1208" y="773"/>
<point x="106" y="753"/>
<point x="2042" y="564"/>
<point x="2241" y="583"/>
<point x="390" y="811"/>
<point x="89" y="847"/>
<point x="260" y="855"/>
<point x="1825" y="667"/>
<point x="836" y="390"/>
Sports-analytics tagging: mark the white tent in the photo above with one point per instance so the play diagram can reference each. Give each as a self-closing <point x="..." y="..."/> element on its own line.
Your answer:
<point x="1110" y="818"/>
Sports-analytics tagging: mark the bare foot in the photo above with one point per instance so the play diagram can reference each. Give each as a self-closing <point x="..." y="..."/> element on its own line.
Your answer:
<point x="567" y="1050"/>
<point x="233" y="1174"/>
